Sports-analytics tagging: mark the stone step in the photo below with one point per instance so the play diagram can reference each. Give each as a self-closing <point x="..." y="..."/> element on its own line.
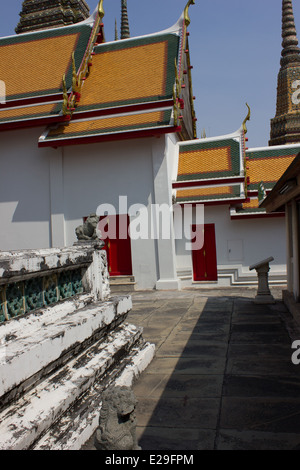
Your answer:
<point x="80" y="421"/>
<point x="27" y="420"/>
<point x="33" y="346"/>
<point x="122" y="283"/>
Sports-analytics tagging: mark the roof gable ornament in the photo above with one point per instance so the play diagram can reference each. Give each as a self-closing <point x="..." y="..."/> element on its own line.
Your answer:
<point x="78" y="76"/>
<point x="187" y="19"/>
<point x="247" y="118"/>
<point x="101" y="11"/>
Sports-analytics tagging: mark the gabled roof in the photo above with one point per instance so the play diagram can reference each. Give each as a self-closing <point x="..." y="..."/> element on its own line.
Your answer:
<point x="221" y="170"/>
<point x="32" y="66"/>
<point x="264" y="167"/>
<point x="70" y="76"/>
<point x="141" y="78"/>
<point x="211" y="170"/>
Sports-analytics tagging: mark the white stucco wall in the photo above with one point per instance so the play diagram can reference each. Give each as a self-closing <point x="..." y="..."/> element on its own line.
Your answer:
<point x="98" y="174"/>
<point x="24" y="191"/>
<point x="241" y="243"/>
<point x="45" y="193"/>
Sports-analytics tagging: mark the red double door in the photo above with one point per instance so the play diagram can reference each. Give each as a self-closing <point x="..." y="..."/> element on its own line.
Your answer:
<point x="205" y="259"/>
<point x="117" y="244"/>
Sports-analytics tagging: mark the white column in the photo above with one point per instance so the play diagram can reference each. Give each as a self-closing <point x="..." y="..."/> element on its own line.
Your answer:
<point x="166" y="256"/>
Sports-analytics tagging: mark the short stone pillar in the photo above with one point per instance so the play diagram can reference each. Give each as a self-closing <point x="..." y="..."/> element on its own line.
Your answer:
<point x="264" y="295"/>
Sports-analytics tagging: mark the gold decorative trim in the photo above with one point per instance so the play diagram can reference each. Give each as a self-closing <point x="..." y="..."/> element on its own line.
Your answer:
<point x="65" y="107"/>
<point x="101" y="11"/>
<point x="247" y="118"/>
<point x="187" y="19"/>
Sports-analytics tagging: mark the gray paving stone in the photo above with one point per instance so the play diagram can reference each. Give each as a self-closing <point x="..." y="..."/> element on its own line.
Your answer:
<point x="255" y="440"/>
<point x="190" y="413"/>
<point x="261" y="414"/>
<point x="157" y="385"/>
<point x="261" y="386"/>
<point x="158" y="438"/>
<point x="194" y="348"/>
<point x="222" y="377"/>
<point x="188" y="365"/>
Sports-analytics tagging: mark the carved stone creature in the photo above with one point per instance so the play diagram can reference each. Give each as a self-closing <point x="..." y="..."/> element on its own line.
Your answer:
<point x="117" y="421"/>
<point x="88" y="231"/>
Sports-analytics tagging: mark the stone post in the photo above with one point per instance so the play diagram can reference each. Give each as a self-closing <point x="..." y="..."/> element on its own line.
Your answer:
<point x="264" y="295"/>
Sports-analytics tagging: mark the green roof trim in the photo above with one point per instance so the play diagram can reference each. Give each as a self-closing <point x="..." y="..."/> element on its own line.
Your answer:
<point x="272" y="152"/>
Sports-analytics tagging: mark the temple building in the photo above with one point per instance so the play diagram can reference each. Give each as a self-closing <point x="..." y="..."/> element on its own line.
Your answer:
<point x="285" y="126"/>
<point x="110" y="128"/>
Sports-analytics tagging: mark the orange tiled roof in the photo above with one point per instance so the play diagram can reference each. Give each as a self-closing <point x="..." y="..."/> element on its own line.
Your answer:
<point x="210" y="158"/>
<point x="207" y="194"/>
<point x="204" y="161"/>
<point x="23" y="112"/>
<point x="112" y="124"/>
<point x="38" y="65"/>
<point x="125" y="77"/>
<point x="130" y="74"/>
<point x="265" y="165"/>
<point x="268" y="169"/>
<point x="268" y="164"/>
<point x="34" y="64"/>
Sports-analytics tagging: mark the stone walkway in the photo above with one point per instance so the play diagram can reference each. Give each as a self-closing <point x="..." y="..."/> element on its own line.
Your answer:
<point x="222" y="377"/>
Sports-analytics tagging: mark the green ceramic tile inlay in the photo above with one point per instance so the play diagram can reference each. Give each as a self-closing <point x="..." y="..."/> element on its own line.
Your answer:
<point x="15" y="299"/>
<point x="25" y="296"/>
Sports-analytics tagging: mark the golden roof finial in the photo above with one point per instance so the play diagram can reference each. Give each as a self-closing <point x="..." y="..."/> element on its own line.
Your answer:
<point x="186" y="12"/>
<point x="247" y="118"/>
<point x="101" y="11"/>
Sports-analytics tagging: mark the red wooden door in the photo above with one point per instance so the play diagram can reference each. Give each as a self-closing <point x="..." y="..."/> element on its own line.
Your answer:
<point x="205" y="259"/>
<point x="118" y="246"/>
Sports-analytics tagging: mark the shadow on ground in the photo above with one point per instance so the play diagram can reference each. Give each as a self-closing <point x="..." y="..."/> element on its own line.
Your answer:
<point x="222" y="377"/>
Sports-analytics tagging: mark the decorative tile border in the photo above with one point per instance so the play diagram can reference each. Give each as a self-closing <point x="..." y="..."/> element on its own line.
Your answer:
<point x="22" y="297"/>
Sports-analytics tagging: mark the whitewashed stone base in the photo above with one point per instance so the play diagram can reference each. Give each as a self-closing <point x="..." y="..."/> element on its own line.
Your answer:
<point x="55" y="366"/>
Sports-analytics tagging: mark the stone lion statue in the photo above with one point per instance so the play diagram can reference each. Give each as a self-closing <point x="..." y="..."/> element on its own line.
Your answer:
<point x="117" y="421"/>
<point x="89" y="231"/>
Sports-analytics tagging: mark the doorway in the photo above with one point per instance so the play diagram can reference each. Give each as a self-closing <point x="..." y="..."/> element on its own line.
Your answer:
<point x="205" y="259"/>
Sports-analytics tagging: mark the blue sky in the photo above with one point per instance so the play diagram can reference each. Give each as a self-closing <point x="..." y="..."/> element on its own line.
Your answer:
<point x="235" y="50"/>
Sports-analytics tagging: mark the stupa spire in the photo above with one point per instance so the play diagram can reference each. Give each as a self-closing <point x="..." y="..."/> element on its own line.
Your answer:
<point x="290" y="50"/>
<point x="125" y="33"/>
<point x="285" y="126"/>
<point x="116" y="31"/>
<point x="41" y="14"/>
